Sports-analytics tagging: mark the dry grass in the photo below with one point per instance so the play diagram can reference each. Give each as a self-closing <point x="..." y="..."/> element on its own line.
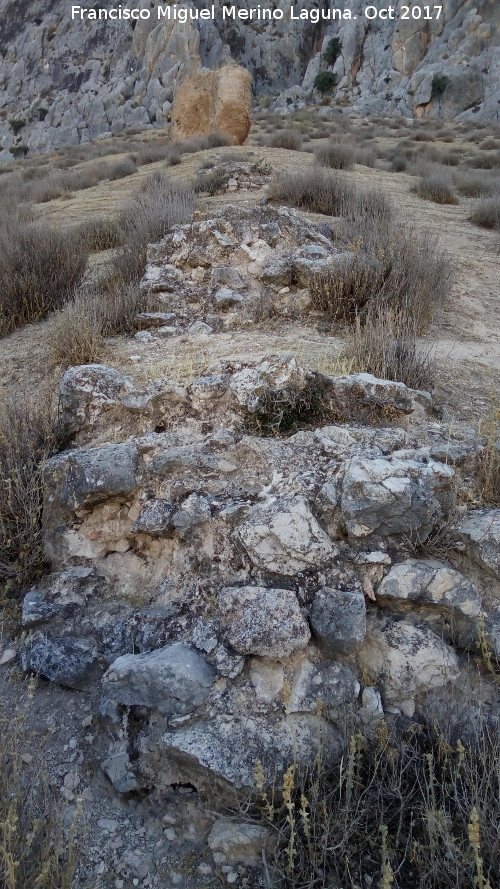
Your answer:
<point x="475" y="185"/>
<point x="385" y="345"/>
<point x="324" y="191"/>
<point x="488" y="477"/>
<point x="79" y="331"/>
<point x="389" y="267"/>
<point x="28" y="436"/>
<point x="37" y="850"/>
<point x="152" y="211"/>
<point x="417" y="810"/>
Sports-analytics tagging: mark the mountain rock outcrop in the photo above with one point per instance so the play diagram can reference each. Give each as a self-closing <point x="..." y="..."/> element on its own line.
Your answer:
<point x="67" y="80"/>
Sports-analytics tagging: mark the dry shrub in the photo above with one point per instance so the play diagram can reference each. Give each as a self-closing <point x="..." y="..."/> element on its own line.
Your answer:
<point x="289" y="139"/>
<point x="313" y="189"/>
<point x="474" y="185"/>
<point x="399" y="163"/>
<point x="203" y="143"/>
<point x="436" y="186"/>
<point x="37" y="849"/>
<point x="100" y="234"/>
<point x="487" y="213"/>
<point x="366" y="157"/>
<point x="151" y="212"/>
<point x="424" y="136"/>
<point x="336" y="155"/>
<point x="385" y="344"/>
<point x="488" y="477"/>
<point x="154" y="152"/>
<point x="488" y="161"/>
<point x="417" y="809"/>
<point x="392" y="268"/>
<point x="28" y="437"/>
<point x="39" y="268"/>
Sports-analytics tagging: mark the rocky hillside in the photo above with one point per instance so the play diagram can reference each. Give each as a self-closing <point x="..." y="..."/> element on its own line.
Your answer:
<point x="64" y="82"/>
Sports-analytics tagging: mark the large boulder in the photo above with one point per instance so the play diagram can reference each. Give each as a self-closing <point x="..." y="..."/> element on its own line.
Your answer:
<point x="213" y="102"/>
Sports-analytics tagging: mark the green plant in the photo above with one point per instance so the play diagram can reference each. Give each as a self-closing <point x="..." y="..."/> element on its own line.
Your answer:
<point x="106" y="71"/>
<point x="325" y="81"/>
<point x="16" y="125"/>
<point x="439" y="84"/>
<point x="333" y="50"/>
<point x="42" y="113"/>
<point x="19" y="150"/>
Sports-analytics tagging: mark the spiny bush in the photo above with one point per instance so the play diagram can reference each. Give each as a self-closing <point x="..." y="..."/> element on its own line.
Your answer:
<point x="436" y="186"/>
<point x="289" y="139"/>
<point x="392" y="267"/>
<point x="154" y="152"/>
<point x="324" y="191"/>
<point x="39" y="268"/>
<point x="487" y="213"/>
<point x="151" y="212"/>
<point x="335" y="155"/>
<point x="417" y="810"/>
<point x="28" y="437"/>
<point x="474" y="185"/>
<point x="385" y="344"/>
<point x="37" y="849"/>
<point x="100" y="234"/>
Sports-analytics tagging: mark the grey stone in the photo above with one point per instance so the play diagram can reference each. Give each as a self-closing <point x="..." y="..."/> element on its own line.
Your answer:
<point x="267" y="622"/>
<point x="225" y="298"/>
<point x="429" y="582"/>
<point x="323" y="688"/>
<point x="406" y="661"/>
<point x="67" y="661"/>
<point x="283" y="536"/>
<point x="155" y="518"/>
<point x="174" y="680"/>
<point x="480" y="532"/>
<point x="86" y="391"/>
<point x="393" y="496"/>
<point x="338" y="619"/>
<point x="233" y="842"/>
<point x="80" y="477"/>
<point x="154" y="319"/>
<point x="194" y="511"/>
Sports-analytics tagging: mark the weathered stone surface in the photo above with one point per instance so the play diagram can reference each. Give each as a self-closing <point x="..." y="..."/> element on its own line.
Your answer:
<point x="399" y="495"/>
<point x="429" y="582"/>
<point x="406" y="661"/>
<point x="155" y="518"/>
<point x="234" y="842"/>
<point x="194" y="511"/>
<point x="323" y="688"/>
<point x="283" y="536"/>
<point x="480" y="532"/>
<point x="59" y="592"/>
<point x="274" y="373"/>
<point x="82" y="476"/>
<point x="174" y="680"/>
<point x="214" y="102"/>
<point x="229" y="748"/>
<point x="88" y="390"/>
<point x="67" y="661"/>
<point x="267" y="622"/>
<point x="338" y="619"/>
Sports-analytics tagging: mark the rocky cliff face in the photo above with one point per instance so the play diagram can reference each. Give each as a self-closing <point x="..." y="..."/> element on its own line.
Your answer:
<point x="72" y="81"/>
